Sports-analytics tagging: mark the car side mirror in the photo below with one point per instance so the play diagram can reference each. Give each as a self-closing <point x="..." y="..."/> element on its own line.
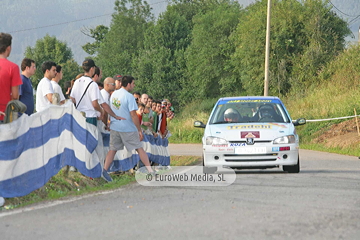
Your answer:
<point x="199" y="124"/>
<point x="299" y="121"/>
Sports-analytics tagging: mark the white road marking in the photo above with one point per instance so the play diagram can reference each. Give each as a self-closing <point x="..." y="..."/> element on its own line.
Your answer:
<point x="53" y="203"/>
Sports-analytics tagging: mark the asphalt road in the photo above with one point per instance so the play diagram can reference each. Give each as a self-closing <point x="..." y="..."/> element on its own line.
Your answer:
<point x="321" y="202"/>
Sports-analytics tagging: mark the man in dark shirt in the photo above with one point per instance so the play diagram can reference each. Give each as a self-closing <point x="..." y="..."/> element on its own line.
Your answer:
<point x="26" y="91"/>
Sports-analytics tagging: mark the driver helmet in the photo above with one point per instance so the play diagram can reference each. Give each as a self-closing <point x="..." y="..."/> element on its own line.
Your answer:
<point x="231" y="115"/>
<point x="266" y="111"/>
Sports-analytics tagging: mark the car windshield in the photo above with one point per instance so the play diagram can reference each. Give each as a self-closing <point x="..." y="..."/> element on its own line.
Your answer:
<point x="246" y="111"/>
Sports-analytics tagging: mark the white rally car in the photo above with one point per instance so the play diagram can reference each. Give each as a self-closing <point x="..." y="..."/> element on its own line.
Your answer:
<point x="251" y="132"/>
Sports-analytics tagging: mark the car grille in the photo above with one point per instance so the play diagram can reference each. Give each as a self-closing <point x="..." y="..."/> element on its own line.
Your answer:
<point x="246" y="160"/>
<point x="250" y="157"/>
<point x="255" y="141"/>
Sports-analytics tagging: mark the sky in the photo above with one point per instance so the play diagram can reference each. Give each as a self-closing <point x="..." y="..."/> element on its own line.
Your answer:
<point x="88" y="14"/>
<point x="28" y="26"/>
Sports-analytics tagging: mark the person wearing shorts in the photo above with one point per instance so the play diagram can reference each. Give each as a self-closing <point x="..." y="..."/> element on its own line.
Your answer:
<point x="125" y="133"/>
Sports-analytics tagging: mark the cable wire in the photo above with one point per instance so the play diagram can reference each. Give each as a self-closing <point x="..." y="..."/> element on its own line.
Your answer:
<point x="341" y="11"/>
<point x="353" y="16"/>
<point x="78" y="20"/>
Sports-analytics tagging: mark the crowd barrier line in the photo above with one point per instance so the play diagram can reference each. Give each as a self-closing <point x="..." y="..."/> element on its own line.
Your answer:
<point x="34" y="148"/>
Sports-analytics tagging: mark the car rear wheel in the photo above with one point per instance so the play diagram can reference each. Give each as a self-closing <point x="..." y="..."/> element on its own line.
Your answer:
<point x="293" y="168"/>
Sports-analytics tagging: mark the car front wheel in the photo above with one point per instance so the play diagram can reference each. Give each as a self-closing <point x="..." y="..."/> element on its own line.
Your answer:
<point x="293" y="168"/>
<point x="206" y="169"/>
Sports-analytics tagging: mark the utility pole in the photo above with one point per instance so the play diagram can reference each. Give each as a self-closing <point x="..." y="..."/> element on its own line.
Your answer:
<point x="267" y="50"/>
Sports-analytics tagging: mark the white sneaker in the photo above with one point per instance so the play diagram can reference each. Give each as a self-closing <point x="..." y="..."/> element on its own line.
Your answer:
<point x="73" y="169"/>
<point x="2" y="201"/>
<point x="158" y="168"/>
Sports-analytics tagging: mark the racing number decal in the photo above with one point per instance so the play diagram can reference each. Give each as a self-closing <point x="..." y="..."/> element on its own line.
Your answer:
<point x="250" y="134"/>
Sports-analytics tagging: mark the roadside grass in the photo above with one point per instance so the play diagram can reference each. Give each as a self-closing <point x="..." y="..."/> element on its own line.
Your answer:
<point x="351" y="151"/>
<point x="185" y="161"/>
<point x="70" y="184"/>
<point x="182" y="126"/>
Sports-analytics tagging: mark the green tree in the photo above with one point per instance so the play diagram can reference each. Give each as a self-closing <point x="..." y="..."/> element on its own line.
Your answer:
<point x="98" y="34"/>
<point x="325" y="33"/>
<point x="208" y="55"/>
<point x="304" y="36"/>
<point x="160" y="64"/>
<point x="70" y="70"/>
<point x="51" y="49"/>
<point x="125" y="37"/>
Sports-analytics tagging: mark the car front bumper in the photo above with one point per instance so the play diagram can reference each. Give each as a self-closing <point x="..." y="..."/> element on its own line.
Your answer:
<point x="264" y="156"/>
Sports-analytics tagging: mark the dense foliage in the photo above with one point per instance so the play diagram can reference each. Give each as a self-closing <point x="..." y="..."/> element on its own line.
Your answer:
<point x="51" y="49"/>
<point x="125" y="37"/>
<point x="304" y="37"/>
<point x="206" y="49"/>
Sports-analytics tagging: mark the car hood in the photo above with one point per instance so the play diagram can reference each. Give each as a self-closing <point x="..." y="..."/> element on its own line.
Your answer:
<point x="241" y="131"/>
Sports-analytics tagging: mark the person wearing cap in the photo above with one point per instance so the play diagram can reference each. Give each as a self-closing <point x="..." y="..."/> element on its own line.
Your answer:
<point x="117" y="79"/>
<point x="86" y="95"/>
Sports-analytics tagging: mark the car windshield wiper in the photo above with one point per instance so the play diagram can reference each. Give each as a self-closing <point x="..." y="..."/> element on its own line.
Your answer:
<point x="220" y="122"/>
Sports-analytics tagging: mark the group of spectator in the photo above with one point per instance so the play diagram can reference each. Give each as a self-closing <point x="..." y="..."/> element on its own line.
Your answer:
<point x="127" y="116"/>
<point x="154" y="115"/>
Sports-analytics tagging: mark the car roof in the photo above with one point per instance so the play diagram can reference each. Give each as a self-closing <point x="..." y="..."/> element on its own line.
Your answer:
<point x="249" y="98"/>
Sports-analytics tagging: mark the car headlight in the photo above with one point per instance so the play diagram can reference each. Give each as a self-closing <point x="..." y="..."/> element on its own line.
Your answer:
<point x="215" y="141"/>
<point x="285" y="139"/>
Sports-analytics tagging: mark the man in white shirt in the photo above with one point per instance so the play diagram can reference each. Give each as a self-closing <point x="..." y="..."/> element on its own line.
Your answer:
<point x="109" y="87"/>
<point x="44" y="91"/>
<point x="86" y="95"/>
<point x="97" y="75"/>
<point x="55" y="84"/>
